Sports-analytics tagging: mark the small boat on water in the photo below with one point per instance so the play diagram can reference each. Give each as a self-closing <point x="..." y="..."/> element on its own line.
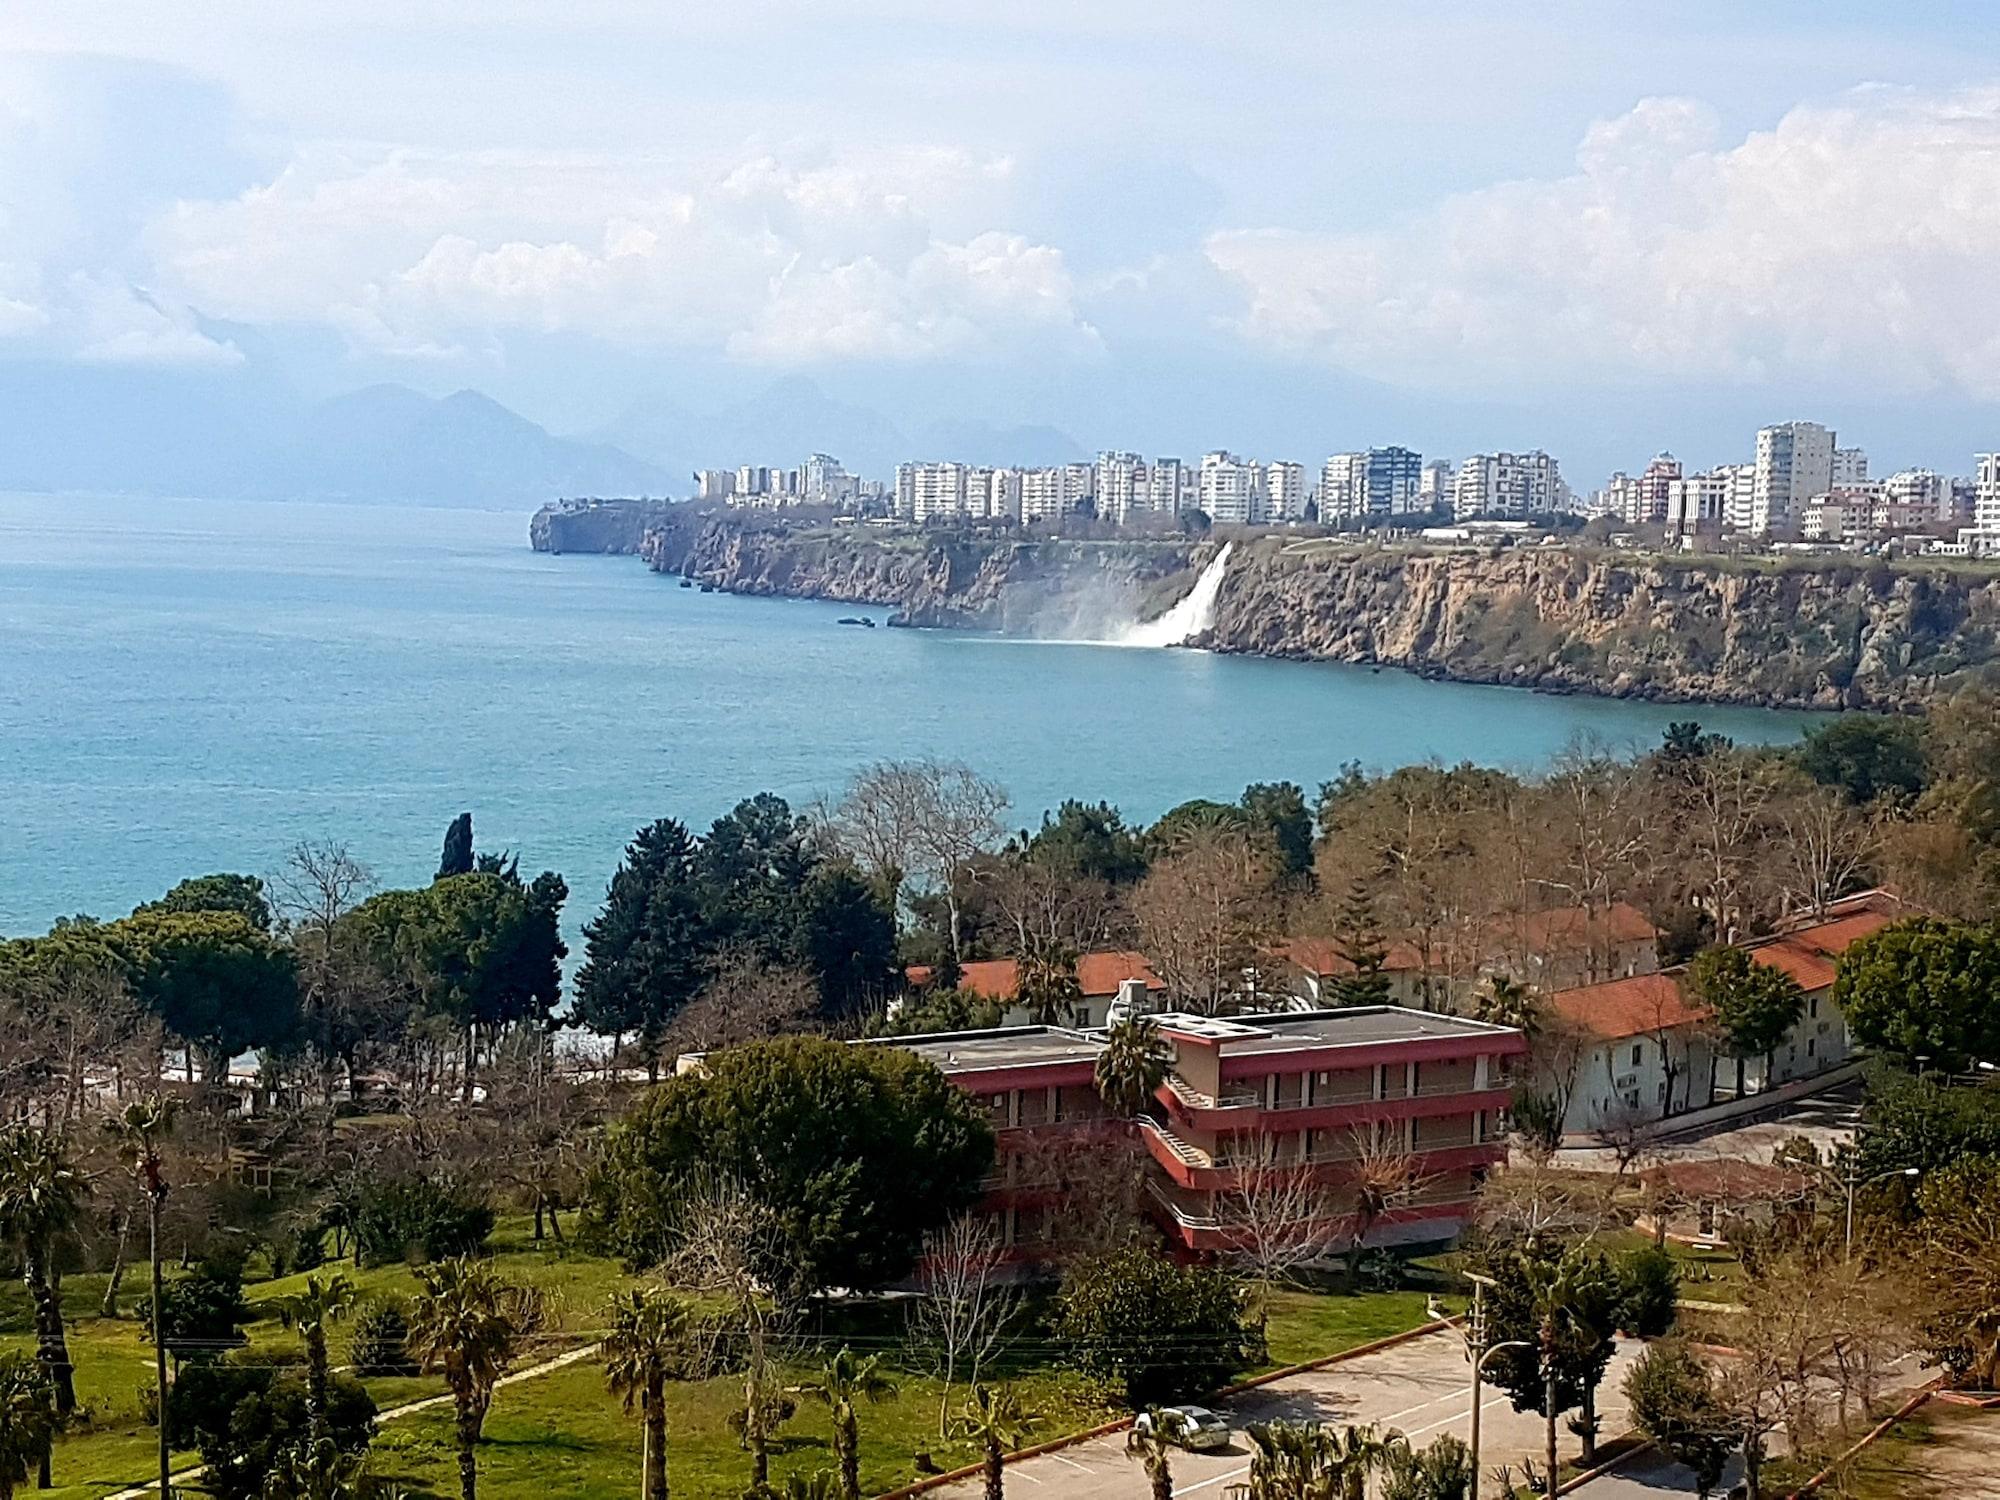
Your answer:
<point x="687" y="583"/>
<point x="855" y="620"/>
<point x="708" y="588"/>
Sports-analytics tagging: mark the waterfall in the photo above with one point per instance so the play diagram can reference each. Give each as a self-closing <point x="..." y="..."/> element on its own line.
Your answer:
<point x="1190" y="617"/>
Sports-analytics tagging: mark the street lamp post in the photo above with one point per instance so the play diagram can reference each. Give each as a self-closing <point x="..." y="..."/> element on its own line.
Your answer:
<point x="1854" y="1184"/>
<point x="1477" y="1352"/>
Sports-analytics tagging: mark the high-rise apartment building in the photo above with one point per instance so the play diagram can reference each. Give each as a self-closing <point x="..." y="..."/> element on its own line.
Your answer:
<point x="1167" y="486"/>
<point x="1850" y="468"/>
<point x="1913" y="499"/>
<point x="1285" y="491"/>
<point x="1794" y="463"/>
<point x="1051" y="494"/>
<point x="1698" y="504"/>
<point x="1389" y="480"/>
<point x="1343" y="484"/>
<point x="1232" y="489"/>
<point x="1652" y="497"/>
<point x="1122" y="485"/>
<point x="1510" y="486"/>
<point x="1434" y="483"/>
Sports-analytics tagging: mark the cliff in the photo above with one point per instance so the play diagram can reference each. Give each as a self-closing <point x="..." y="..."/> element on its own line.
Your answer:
<point x="594" y="525"/>
<point x="1802" y="634"/>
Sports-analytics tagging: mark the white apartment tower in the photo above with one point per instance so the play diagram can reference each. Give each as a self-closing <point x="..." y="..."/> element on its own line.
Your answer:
<point x="1166" y="487"/>
<point x="1232" y="490"/>
<point x="1343" y="485"/>
<point x="1285" y="489"/>
<point x="1794" y="463"/>
<point x="1850" y="468"/>
<point x="1434" y="485"/>
<point x="1986" y="503"/>
<point x="1050" y="494"/>
<point x="1509" y="486"/>
<point x="1123" y="488"/>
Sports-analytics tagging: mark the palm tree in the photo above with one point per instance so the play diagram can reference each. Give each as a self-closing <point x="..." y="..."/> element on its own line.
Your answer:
<point x="1508" y="1002"/>
<point x="1292" y="1461"/>
<point x="312" y="1310"/>
<point x="844" y="1383"/>
<point x="993" y="1419"/>
<point x="1152" y="1443"/>
<point x="27" y="1421"/>
<point x="818" y="1485"/>
<point x="1360" y="1452"/>
<point x="647" y="1330"/>
<point x="467" y="1325"/>
<point x="139" y="1130"/>
<point x="1134" y="1063"/>
<point x="41" y="1199"/>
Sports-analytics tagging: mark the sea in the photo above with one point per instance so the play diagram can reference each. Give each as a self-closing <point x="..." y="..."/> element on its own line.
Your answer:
<point x="190" y="686"/>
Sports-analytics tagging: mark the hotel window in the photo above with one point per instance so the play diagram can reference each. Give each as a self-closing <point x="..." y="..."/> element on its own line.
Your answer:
<point x="1812" y="1007"/>
<point x="1638" y="1053"/>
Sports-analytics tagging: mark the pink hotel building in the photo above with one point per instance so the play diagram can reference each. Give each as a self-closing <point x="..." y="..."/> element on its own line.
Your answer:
<point x="1300" y="1091"/>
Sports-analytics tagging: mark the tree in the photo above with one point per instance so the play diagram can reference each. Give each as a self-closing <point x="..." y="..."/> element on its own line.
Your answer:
<point x="248" y="1416"/>
<point x="1384" y="1176"/>
<point x="1152" y="1443"/>
<point x="1440" y="1471"/>
<point x="1135" y="1062"/>
<point x="1564" y="1302"/>
<point x="926" y="821"/>
<point x="139" y="1131"/>
<point x="1958" y="1269"/>
<point x="27" y="1421"/>
<point x="1279" y="808"/>
<point x="242" y="894"/>
<point x="1359" y="941"/>
<point x="1089" y="840"/>
<point x="855" y="1151"/>
<point x="214" y="979"/>
<point x="1865" y="757"/>
<point x="1924" y="988"/>
<point x="1279" y="1217"/>
<point x="645" y="1341"/>
<point x="41" y="1199"/>
<point x="993" y="1419"/>
<point x="643" y="953"/>
<point x="1924" y="1124"/>
<point x="1203" y="913"/>
<point x="457" y="858"/>
<point x="845" y="937"/>
<point x="312" y="1310"/>
<point x="1649" y="1282"/>
<point x="964" y="1305"/>
<point x="318" y="886"/>
<point x="1672" y="1397"/>
<point x="845" y="1381"/>
<point x="469" y="1326"/>
<point x="1161" y="1331"/>
<point x="1754" y="1005"/>
<point x="1293" y="1461"/>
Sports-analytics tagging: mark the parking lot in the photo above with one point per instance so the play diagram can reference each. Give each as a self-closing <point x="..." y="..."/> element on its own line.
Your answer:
<point x="1419" y="1387"/>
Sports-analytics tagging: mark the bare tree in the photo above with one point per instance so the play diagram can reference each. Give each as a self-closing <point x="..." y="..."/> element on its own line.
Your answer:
<point x="1203" y="914"/>
<point x="318" y="884"/>
<point x="1279" y="1216"/>
<point x="726" y="1245"/>
<point x="1627" y="1134"/>
<point x="1824" y="848"/>
<point x="1532" y="1199"/>
<point x="1386" y="1175"/>
<point x="1596" y="811"/>
<point x="745" y="998"/>
<point x="925" y="821"/>
<point x="960" y="1316"/>
<point x="1721" y="813"/>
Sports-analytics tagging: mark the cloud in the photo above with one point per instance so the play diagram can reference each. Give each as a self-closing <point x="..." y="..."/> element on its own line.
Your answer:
<point x="1850" y="246"/>
<point x="887" y="256"/>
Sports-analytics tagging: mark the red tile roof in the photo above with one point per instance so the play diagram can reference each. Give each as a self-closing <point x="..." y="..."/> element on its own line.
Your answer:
<point x="1807" y="952"/>
<point x="1097" y="974"/>
<point x="1726" y="1179"/>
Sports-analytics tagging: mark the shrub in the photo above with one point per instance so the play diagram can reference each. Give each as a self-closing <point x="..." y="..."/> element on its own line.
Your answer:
<point x="379" y="1343"/>
<point x="201" y="1312"/>
<point x="1161" y="1331"/>
<point x="419" y="1221"/>
<point x="243" y="1413"/>
<point x="1649" y="1283"/>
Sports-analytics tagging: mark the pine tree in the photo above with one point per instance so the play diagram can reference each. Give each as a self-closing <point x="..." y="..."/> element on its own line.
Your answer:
<point x="1359" y="941"/>
<point x="457" y="858"/>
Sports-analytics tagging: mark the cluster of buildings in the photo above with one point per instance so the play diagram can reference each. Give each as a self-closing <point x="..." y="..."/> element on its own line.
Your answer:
<point x="1801" y="485"/>
<point x="1286" y="1091"/>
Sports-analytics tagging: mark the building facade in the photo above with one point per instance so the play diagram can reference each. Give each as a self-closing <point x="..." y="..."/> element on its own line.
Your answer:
<point x="1232" y="490"/>
<point x="1794" y="463"/>
<point x="1508" y="486"/>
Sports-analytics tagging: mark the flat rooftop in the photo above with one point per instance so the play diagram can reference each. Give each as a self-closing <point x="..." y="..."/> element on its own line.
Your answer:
<point x="1296" y="1031"/>
<point x="1007" y="1047"/>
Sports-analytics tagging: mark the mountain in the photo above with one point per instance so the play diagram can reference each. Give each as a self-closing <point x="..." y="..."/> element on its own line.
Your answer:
<point x="976" y="442"/>
<point x="239" y="433"/>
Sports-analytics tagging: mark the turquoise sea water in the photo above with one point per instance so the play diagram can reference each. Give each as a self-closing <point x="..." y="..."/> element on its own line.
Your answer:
<point x="196" y="685"/>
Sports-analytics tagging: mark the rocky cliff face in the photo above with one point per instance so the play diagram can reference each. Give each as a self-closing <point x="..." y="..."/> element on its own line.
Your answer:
<point x="1048" y="588"/>
<point x="1816" y="636"/>
<point x="593" y="525"/>
<point x="1798" y="634"/>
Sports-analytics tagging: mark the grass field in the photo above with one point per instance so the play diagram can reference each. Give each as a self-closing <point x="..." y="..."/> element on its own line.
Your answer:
<point x="563" y="1434"/>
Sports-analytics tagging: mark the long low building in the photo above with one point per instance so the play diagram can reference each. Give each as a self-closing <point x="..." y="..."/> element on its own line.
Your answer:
<point x="1643" y="1049"/>
<point x="1319" y="1101"/>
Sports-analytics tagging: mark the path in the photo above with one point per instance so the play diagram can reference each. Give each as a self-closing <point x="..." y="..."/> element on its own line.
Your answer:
<point x="408" y="1408"/>
<point x="1419" y="1387"/>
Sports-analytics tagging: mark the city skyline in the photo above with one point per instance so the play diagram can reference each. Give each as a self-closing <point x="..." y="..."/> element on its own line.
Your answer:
<point x="1341" y="221"/>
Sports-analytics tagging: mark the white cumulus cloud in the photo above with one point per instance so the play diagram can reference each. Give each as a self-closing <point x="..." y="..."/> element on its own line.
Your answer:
<point x="1852" y="245"/>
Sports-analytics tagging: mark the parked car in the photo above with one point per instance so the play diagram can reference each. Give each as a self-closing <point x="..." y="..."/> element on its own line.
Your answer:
<point x="1193" y="1427"/>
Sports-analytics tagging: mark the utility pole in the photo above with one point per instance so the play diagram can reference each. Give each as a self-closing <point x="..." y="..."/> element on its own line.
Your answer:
<point x="1478" y="1354"/>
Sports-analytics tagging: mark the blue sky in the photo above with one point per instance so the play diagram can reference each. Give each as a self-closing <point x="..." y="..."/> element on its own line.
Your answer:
<point x="1287" y="228"/>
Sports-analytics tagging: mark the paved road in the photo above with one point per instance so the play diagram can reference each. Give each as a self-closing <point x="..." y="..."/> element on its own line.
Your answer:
<point x="1828" y="1120"/>
<point x="1419" y="1387"/>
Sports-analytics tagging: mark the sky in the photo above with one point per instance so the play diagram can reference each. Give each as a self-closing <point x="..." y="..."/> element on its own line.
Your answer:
<point x="1287" y="229"/>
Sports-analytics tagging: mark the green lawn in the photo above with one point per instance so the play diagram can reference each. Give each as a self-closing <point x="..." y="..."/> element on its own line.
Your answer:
<point x="564" y="1434"/>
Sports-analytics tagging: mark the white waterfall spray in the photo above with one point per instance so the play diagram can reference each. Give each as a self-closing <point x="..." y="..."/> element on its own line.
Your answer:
<point x="1190" y="617"/>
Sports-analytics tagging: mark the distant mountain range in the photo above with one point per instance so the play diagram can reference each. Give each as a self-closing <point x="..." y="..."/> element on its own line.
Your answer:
<point x="239" y="434"/>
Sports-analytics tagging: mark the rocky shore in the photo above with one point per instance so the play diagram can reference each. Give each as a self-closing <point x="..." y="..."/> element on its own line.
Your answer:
<point x="1816" y="633"/>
